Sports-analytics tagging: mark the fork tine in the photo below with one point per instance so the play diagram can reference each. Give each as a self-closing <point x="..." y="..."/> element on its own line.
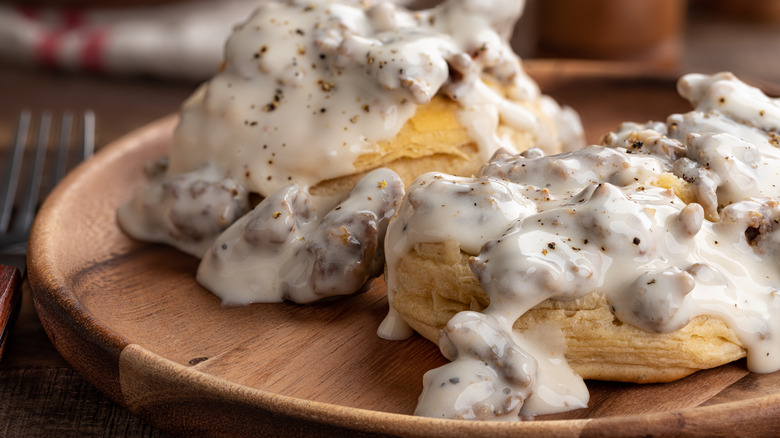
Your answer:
<point x="89" y="135"/>
<point x="13" y="169"/>
<point x="35" y="179"/>
<point x="63" y="145"/>
<point x="87" y="146"/>
<point x="21" y="198"/>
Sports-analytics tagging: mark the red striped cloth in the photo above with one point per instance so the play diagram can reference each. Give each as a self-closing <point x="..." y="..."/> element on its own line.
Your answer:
<point x="182" y="40"/>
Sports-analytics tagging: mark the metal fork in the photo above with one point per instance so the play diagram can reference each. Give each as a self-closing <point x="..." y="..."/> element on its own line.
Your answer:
<point x="28" y="177"/>
<point x="20" y="201"/>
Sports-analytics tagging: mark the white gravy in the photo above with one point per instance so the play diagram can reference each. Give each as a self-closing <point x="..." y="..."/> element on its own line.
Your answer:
<point x="282" y="249"/>
<point x="566" y="225"/>
<point x="308" y="86"/>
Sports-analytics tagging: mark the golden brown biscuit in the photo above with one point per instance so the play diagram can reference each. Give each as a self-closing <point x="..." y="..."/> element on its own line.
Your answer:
<point x="434" y="282"/>
<point x="432" y="140"/>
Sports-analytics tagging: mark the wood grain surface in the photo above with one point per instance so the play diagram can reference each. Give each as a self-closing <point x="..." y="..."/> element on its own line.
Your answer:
<point x="129" y="317"/>
<point x="10" y="296"/>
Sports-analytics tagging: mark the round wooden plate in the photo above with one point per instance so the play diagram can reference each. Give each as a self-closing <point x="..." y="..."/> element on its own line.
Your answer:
<point x="130" y="317"/>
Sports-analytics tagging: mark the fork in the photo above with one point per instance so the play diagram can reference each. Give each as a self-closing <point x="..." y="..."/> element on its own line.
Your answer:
<point x="27" y="180"/>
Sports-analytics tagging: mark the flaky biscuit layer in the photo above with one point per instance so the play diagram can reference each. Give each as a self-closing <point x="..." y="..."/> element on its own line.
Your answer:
<point x="433" y="282"/>
<point x="432" y="140"/>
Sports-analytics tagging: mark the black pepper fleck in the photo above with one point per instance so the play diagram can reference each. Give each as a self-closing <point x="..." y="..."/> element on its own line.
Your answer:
<point x="325" y="85"/>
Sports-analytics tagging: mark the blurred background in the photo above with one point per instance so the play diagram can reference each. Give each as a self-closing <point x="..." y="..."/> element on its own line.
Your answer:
<point x="182" y="39"/>
<point x="143" y="57"/>
<point x="666" y="35"/>
<point x="48" y="47"/>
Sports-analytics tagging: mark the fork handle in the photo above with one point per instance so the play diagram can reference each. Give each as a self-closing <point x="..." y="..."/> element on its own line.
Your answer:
<point x="10" y="298"/>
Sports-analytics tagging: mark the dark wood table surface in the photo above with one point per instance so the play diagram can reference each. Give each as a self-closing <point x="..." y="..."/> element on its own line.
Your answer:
<point x="39" y="393"/>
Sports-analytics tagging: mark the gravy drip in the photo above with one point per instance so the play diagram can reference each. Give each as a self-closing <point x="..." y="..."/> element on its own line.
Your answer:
<point x="282" y="250"/>
<point x="308" y="86"/>
<point x="606" y="218"/>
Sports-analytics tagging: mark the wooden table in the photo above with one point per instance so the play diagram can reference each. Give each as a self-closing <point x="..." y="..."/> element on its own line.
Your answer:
<point x="39" y="393"/>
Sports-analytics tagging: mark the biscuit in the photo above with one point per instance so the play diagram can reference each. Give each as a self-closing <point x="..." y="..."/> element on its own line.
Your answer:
<point x="434" y="282"/>
<point x="433" y="139"/>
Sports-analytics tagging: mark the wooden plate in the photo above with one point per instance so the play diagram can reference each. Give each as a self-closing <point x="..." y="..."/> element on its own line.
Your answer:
<point x="130" y="318"/>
